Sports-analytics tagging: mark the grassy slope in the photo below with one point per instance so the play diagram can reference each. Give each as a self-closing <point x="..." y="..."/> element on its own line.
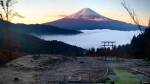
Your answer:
<point x="125" y="77"/>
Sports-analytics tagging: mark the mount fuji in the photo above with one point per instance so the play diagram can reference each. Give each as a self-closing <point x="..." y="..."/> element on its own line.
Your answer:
<point x="87" y="19"/>
<point x="87" y="14"/>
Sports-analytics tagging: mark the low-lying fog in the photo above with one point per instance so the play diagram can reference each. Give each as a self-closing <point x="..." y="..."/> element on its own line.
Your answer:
<point x="93" y="38"/>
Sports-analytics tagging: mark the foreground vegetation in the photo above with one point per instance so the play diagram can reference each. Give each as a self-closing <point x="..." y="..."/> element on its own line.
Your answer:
<point x="139" y="47"/>
<point x="124" y="77"/>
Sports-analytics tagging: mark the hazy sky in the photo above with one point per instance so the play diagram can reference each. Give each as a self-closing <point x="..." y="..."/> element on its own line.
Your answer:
<point x="40" y="11"/>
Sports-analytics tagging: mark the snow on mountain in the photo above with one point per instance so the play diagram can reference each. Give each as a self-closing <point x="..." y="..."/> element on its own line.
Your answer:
<point x="87" y="14"/>
<point x="87" y="19"/>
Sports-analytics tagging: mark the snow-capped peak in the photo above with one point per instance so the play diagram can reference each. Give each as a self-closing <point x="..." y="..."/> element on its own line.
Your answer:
<point x="87" y="14"/>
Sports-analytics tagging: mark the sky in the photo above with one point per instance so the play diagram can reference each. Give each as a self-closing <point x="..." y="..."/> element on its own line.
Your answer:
<point x="41" y="11"/>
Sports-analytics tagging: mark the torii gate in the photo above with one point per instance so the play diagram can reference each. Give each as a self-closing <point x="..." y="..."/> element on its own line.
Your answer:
<point x="106" y="44"/>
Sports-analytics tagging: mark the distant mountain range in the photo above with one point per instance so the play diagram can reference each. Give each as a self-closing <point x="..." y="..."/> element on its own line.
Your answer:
<point x="38" y="29"/>
<point x="87" y="19"/>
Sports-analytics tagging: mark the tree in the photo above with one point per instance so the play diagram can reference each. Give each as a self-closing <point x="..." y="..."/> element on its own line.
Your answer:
<point x="140" y="44"/>
<point x="6" y="14"/>
<point x="6" y="10"/>
<point x="132" y="14"/>
<point x="149" y="23"/>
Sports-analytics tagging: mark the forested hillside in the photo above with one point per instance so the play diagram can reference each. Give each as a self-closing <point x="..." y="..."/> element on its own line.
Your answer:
<point x="14" y="43"/>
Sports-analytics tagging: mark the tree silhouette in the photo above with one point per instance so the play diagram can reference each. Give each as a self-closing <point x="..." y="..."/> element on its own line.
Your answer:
<point x="132" y="14"/>
<point x="149" y="23"/>
<point x="6" y="10"/>
<point x="6" y="14"/>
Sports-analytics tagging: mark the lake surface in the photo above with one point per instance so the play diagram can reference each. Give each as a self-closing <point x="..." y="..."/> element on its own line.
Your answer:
<point x="93" y="38"/>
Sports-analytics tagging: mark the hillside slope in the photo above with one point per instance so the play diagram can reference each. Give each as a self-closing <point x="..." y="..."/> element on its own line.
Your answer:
<point x="33" y="45"/>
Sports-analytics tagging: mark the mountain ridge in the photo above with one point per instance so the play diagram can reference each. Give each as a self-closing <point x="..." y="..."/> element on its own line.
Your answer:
<point x="83" y="20"/>
<point x="38" y="29"/>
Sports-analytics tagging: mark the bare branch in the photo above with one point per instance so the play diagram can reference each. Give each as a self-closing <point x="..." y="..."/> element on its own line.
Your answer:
<point x="149" y="23"/>
<point x="132" y="14"/>
<point x="18" y="15"/>
<point x="1" y="16"/>
<point x="6" y="6"/>
<point x="2" y="4"/>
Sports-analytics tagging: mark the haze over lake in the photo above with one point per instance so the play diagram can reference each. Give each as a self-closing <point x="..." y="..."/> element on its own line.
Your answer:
<point x="93" y="38"/>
